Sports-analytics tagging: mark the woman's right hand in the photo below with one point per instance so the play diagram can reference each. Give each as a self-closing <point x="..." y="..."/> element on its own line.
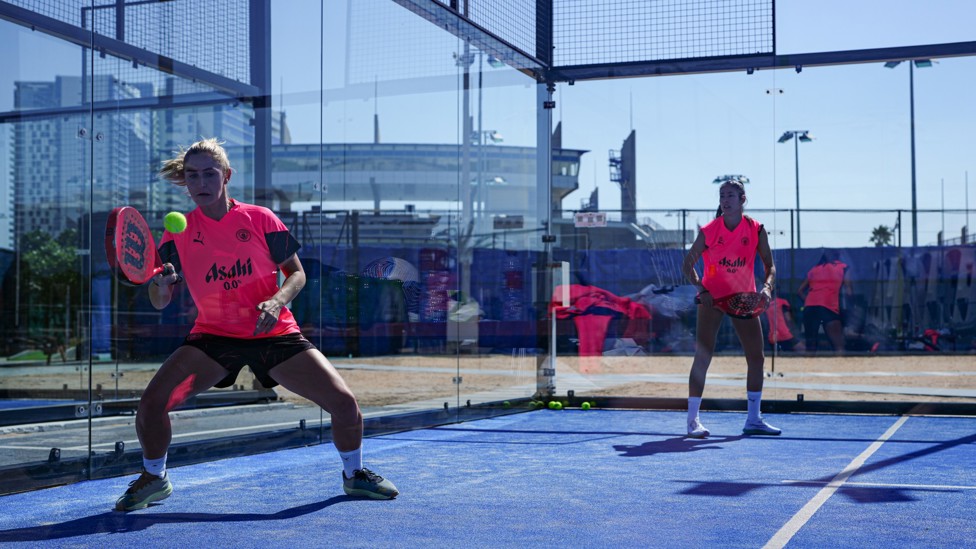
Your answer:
<point x="168" y="277"/>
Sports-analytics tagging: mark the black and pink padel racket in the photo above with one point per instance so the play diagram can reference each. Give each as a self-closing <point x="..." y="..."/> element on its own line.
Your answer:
<point x="130" y="247"/>
<point x="741" y="305"/>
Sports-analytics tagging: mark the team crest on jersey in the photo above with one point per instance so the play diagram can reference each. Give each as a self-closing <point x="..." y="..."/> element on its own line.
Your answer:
<point x="243" y="235"/>
<point x="745" y="240"/>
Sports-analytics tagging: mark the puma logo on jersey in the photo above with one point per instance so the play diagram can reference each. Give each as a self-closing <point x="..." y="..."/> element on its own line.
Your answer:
<point x="225" y="272"/>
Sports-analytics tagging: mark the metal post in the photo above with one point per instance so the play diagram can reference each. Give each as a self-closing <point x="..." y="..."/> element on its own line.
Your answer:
<point x="796" y="152"/>
<point x="260" y="48"/>
<point x="911" y="99"/>
<point x="545" y="363"/>
<point x="481" y="144"/>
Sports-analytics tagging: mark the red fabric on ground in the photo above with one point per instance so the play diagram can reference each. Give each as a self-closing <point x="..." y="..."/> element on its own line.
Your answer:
<point x="593" y="308"/>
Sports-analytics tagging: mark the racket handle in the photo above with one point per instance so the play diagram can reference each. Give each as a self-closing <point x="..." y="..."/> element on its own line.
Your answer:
<point x="164" y="270"/>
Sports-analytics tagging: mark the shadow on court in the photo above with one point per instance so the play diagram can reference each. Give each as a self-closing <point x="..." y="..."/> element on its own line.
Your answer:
<point x="896" y="460"/>
<point x="114" y="522"/>
<point x="856" y="494"/>
<point x="674" y="445"/>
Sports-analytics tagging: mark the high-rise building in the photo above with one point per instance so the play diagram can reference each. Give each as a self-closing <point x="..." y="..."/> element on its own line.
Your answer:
<point x="174" y="128"/>
<point x="68" y="160"/>
<point x="6" y="189"/>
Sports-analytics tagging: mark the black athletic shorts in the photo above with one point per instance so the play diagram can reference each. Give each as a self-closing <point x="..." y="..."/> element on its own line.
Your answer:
<point x="261" y="354"/>
<point x="815" y="315"/>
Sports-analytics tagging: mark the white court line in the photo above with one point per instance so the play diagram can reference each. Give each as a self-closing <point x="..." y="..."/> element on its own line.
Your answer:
<point x="889" y="485"/>
<point x="786" y="533"/>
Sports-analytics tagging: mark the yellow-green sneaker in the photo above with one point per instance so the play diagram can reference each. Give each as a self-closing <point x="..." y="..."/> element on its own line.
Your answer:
<point x="144" y="490"/>
<point x="368" y="484"/>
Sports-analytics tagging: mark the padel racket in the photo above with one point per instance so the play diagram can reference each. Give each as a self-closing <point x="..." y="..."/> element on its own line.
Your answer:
<point x="130" y="247"/>
<point x="741" y="305"/>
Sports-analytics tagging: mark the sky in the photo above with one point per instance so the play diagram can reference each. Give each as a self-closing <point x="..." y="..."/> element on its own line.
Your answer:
<point x="378" y="57"/>
<point x="690" y="129"/>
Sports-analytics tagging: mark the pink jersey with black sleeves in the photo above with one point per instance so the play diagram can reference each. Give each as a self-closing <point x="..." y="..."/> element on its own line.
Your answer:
<point x="231" y="266"/>
<point x="730" y="256"/>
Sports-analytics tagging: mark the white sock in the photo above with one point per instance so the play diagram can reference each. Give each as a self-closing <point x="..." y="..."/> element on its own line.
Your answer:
<point x="352" y="461"/>
<point x="755" y="397"/>
<point x="694" y="404"/>
<point x="155" y="467"/>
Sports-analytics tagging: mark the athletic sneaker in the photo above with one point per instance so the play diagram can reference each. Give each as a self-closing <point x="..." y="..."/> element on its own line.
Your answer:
<point x="368" y="484"/>
<point x="144" y="490"/>
<point x="759" y="426"/>
<point x="697" y="430"/>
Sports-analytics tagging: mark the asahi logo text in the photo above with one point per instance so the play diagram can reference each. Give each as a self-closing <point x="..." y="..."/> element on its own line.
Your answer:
<point x="230" y="273"/>
<point x="732" y="266"/>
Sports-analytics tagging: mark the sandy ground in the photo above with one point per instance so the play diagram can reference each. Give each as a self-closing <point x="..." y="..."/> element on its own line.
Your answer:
<point x="393" y="380"/>
<point x="845" y="376"/>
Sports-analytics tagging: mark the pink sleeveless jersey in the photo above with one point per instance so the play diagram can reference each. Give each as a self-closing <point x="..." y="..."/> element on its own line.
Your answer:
<point x="779" y="330"/>
<point x="825" y="283"/>
<point x="230" y="266"/>
<point x="730" y="257"/>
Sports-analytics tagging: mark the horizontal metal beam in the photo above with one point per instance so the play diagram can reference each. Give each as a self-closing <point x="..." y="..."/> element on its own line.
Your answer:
<point x="749" y="63"/>
<point x="117" y="48"/>
<point x="182" y="101"/>
<point x="457" y="24"/>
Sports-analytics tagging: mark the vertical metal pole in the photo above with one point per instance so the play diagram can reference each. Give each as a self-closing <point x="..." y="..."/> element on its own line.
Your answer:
<point x="545" y="365"/>
<point x="911" y="99"/>
<point x="796" y="152"/>
<point x="684" y="228"/>
<point x="481" y="143"/>
<point x="260" y="69"/>
<point x="466" y="224"/>
<point x="900" y="229"/>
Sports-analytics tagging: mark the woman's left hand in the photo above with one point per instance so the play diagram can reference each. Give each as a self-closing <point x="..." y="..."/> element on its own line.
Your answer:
<point x="268" y="317"/>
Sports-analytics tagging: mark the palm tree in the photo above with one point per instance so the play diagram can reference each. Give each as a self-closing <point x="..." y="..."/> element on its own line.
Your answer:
<point x="881" y="235"/>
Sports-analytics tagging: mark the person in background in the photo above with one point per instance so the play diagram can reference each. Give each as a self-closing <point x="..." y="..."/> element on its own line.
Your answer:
<point x="781" y="326"/>
<point x="821" y="293"/>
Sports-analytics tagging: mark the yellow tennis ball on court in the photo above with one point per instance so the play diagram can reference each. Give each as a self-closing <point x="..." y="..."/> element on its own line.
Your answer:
<point x="175" y="222"/>
<point x="585" y="406"/>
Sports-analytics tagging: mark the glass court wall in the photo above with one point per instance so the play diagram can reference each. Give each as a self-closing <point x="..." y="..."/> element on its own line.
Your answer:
<point x="401" y="146"/>
<point x="402" y="157"/>
<point x="832" y="156"/>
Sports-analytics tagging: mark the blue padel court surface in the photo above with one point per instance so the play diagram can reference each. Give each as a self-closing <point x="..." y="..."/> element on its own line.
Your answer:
<point x="570" y="478"/>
